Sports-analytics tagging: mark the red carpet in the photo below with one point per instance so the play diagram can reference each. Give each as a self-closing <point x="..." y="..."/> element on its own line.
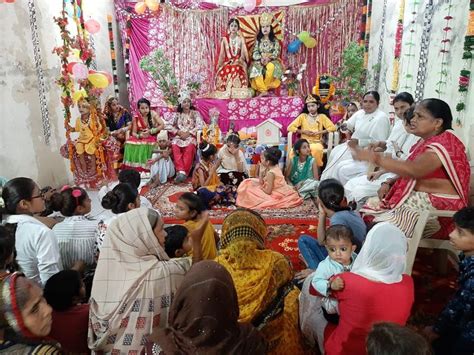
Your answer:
<point x="284" y="239"/>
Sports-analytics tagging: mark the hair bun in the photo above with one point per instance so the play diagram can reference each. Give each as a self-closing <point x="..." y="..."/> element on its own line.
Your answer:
<point x="110" y="200"/>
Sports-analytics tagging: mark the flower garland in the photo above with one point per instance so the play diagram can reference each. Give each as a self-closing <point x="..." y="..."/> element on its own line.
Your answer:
<point x="465" y="74"/>
<point x="445" y="43"/>
<point x="424" y="51"/>
<point x="408" y="78"/>
<point x="70" y="44"/>
<point x="324" y="94"/>
<point x="398" y="48"/>
<point x="365" y="29"/>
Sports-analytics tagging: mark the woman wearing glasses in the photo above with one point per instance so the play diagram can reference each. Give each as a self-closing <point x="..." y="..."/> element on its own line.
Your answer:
<point x="35" y="244"/>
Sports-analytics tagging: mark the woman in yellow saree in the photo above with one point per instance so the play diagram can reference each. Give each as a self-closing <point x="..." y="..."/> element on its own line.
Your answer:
<point x="263" y="280"/>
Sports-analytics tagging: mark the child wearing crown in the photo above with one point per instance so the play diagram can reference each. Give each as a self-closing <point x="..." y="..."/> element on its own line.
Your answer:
<point x="266" y="70"/>
<point x="311" y="124"/>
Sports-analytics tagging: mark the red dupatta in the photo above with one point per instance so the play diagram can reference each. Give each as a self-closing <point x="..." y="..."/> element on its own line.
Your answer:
<point x="452" y="153"/>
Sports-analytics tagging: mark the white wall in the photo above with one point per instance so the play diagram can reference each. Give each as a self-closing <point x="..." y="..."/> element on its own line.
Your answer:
<point x="22" y="148"/>
<point x="458" y="23"/>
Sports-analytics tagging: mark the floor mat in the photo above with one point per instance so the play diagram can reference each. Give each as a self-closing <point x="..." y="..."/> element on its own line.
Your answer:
<point x="164" y="197"/>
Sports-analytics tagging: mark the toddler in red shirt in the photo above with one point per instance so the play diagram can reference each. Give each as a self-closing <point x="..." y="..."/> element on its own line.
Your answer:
<point x="64" y="292"/>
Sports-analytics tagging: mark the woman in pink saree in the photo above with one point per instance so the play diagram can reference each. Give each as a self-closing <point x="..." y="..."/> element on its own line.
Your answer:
<point x="434" y="177"/>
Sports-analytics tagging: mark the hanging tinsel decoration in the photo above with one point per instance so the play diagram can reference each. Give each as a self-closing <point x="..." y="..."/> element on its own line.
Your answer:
<point x="39" y="72"/>
<point x="465" y="74"/>
<point x="398" y="49"/>
<point x="378" y="67"/>
<point x="92" y="45"/>
<point x="410" y="48"/>
<point x="445" y="46"/>
<point x="424" y="51"/>
<point x="112" y="53"/>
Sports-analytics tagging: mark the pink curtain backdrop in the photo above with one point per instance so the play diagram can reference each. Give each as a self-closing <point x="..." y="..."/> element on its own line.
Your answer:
<point x="191" y="38"/>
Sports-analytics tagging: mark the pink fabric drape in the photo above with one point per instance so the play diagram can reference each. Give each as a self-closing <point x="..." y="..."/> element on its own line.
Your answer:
<point x="191" y="38"/>
<point x="139" y="47"/>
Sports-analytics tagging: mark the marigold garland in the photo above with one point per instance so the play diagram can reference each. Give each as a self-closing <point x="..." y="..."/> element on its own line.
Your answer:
<point x="465" y="74"/>
<point x="398" y="48"/>
<point x="332" y="90"/>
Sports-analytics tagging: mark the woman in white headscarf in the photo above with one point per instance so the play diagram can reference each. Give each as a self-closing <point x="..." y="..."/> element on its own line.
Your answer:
<point x="134" y="282"/>
<point x="376" y="290"/>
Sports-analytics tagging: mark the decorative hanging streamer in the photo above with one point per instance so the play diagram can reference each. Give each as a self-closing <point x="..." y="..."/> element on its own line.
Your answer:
<point x="92" y="45"/>
<point x="465" y="74"/>
<point x="39" y="72"/>
<point x="364" y="35"/>
<point x="127" y="50"/>
<point x="445" y="46"/>
<point x="408" y="78"/>
<point x="424" y="51"/>
<point x="367" y="33"/>
<point x="378" y="69"/>
<point x="398" y="49"/>
<point x="112" y="53"/>
<point x="327" y="58"/>
<point x="320" y="29"/>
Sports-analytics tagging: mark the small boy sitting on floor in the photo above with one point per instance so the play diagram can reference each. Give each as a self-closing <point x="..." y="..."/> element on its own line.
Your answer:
<point x="161" y="164"/>
<point x="65" y="292"/>
<point x="453" y="332"/>
<point x="177" y="241"/>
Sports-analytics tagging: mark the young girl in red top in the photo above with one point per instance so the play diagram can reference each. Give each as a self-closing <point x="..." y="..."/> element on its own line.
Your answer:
<point x="139" y="147"/>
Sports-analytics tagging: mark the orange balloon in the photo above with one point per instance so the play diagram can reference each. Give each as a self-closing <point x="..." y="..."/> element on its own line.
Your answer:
<point x="140" y="8"/>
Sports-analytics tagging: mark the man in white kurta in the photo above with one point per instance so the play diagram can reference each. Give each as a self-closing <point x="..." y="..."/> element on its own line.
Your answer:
<point x="398" y="146"/>
<point x="368" y="128"/>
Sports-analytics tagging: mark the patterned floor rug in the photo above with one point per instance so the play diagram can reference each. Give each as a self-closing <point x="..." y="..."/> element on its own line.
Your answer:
<point x="165" y="196"/>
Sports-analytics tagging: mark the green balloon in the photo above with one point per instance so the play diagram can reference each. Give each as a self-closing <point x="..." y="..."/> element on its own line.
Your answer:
<point x="303" y="36"/>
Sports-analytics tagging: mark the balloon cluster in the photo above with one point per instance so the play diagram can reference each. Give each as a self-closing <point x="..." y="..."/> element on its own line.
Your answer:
<point x="303" y="37"/>
<point x="141" y="6"/>
<point x="250" y="5"/>
<point x="98" y="79"/>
